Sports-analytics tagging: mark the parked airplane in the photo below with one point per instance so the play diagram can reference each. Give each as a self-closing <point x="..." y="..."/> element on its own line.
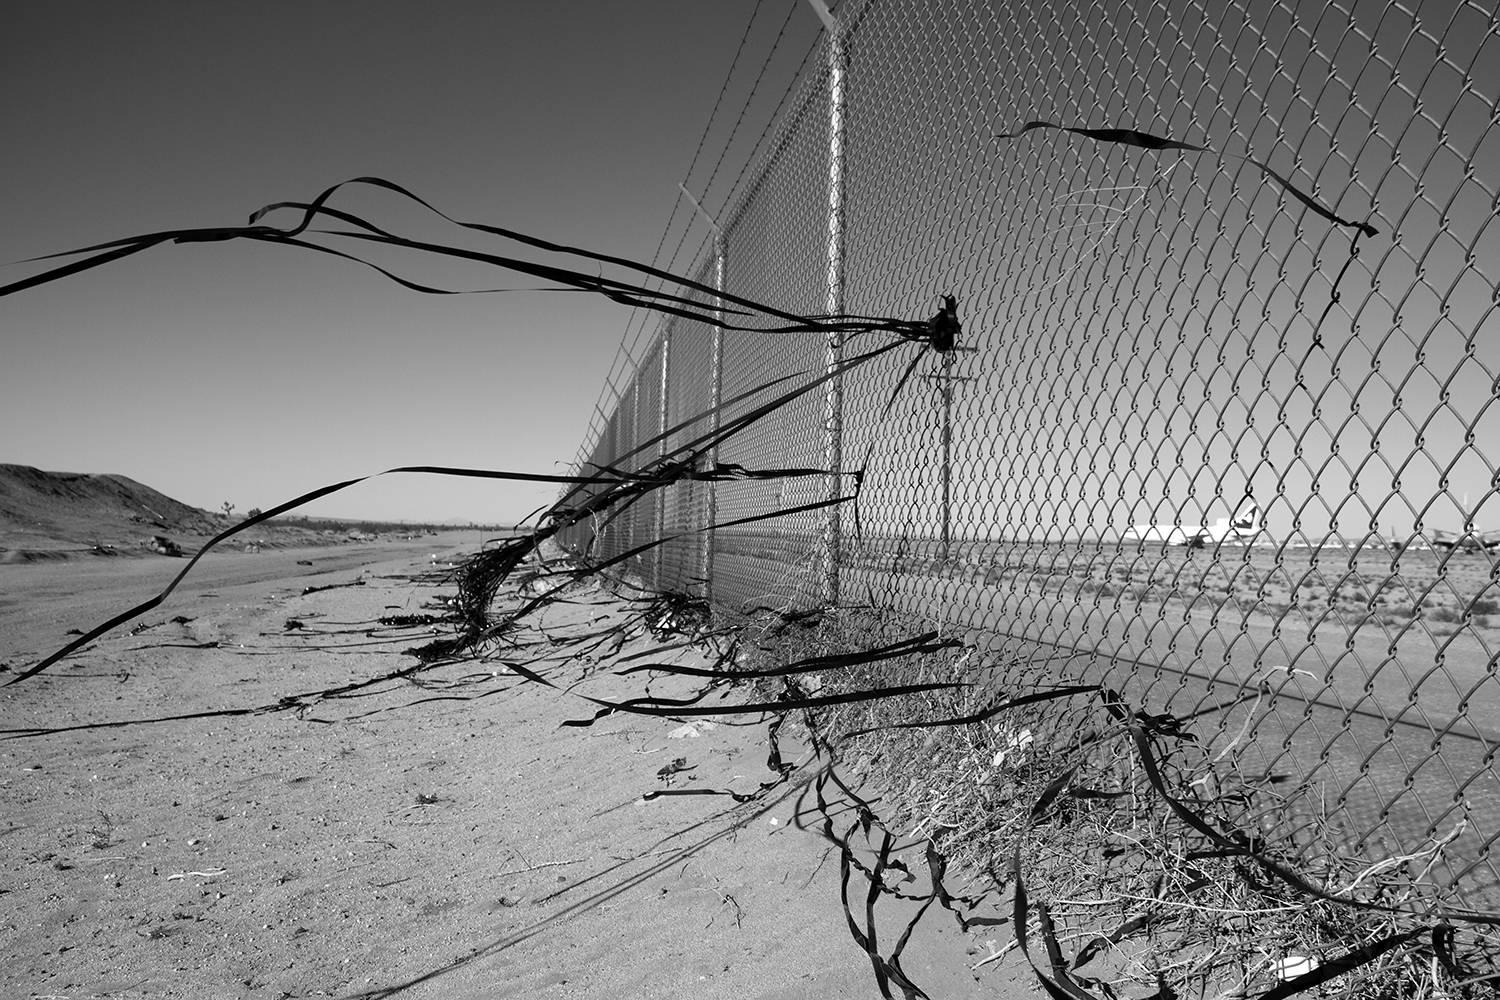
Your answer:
<point x="1469" y="541"/>
<point x="1225" y="529"/>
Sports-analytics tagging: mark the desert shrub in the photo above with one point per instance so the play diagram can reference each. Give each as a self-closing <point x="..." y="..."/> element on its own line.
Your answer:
<point x="1353" y="595"/>
<point x="1445" y="613"/>
<point x="1484" y="606"/>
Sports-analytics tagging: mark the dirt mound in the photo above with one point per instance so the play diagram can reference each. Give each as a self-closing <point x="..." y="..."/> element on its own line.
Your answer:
<point x="31" y="498"/>
<point x="48" y="511"/>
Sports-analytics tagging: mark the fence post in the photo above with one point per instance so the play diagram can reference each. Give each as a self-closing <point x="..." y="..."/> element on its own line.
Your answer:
<point x="632" y="536"/>
<point x="833" y="392"/>
<point x="945" y="380"/>
<point x="661" y="453"/>
<point x="715" y="399"/>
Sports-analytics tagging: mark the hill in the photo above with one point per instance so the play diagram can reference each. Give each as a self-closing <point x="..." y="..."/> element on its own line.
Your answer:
<point x="50" y="515"/>
<point x="51" y="511"/>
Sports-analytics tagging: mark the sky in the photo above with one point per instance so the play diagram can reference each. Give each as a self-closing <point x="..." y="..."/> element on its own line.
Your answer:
<point x="1156" y="375"/>
<point x="248" y="373"/>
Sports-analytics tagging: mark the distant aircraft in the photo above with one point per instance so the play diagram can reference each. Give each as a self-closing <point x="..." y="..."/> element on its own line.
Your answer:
<point x="1469" y="541"/>
<point x="1225" y="529"/>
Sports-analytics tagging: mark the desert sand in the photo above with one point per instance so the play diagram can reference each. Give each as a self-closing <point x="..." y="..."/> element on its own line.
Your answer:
<point x="438" y="834"/>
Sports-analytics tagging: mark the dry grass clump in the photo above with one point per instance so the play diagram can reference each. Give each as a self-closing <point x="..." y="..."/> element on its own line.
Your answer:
<point x="1140" y="897"/>
<point x="1055" y="794"/>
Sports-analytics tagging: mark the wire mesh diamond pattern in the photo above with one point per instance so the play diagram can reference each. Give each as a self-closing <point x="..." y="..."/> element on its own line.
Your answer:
<point x="1212" y="446"/>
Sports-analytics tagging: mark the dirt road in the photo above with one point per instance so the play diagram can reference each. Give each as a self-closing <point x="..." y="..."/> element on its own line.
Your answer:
<point x="434" y="835"/>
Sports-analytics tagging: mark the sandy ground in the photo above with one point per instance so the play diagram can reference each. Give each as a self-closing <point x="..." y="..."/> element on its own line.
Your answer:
<point x="434" y="836"/>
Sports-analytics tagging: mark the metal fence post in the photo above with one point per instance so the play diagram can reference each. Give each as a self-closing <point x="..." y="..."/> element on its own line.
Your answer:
<point x="833" y="393"/>
<point x="715" y="399"/>
<point x="661" y="453"/>
<point x="632" y="536"/>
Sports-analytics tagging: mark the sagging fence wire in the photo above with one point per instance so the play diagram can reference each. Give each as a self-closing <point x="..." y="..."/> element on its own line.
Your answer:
<point x="637" y="323"/>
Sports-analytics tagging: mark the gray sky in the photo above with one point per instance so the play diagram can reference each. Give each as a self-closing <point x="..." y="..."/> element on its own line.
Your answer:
<point x="250" y="373"/>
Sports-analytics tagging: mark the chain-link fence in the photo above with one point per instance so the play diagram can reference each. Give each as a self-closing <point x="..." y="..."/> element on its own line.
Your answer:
<point x="1201" y="443"/>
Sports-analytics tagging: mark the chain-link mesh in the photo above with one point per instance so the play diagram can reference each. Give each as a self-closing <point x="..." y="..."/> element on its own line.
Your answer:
<point x="689" y="402"/>
<point x="1210" y="448"/>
